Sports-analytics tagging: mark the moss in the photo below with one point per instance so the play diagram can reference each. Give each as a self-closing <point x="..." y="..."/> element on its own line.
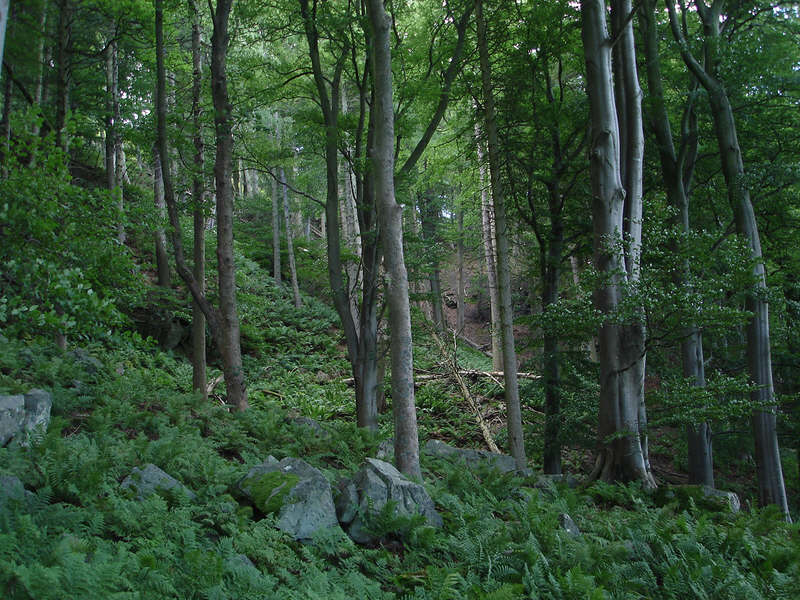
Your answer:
<point x="269" y="490"/>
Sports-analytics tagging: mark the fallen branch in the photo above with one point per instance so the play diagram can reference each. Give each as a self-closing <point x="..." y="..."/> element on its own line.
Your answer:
<point x="214" y="383"/>
<point x="496" y="376"/>
<point x="476" y="409"/>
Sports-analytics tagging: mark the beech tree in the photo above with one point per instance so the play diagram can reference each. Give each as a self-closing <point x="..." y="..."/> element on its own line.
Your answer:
<point x="615" y="165"/>
<point x="759" y="354"/>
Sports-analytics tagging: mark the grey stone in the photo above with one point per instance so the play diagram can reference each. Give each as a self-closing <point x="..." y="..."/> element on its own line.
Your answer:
<point x="472" y="458"/>
<point x="310" y="425"/>
<point x="568" y="525"/>
<point x="240" y="563"/>
<point x="89" y="363"/>
<point x="346" y="501"/>
<point x="23" y="415"/>
<point x="12" y="417"/>
<point x="385" y="450"/>
<point x="377" y="483"/>
<point x="11" y="490"/>
<point x="297" y="492"/>
<point x="730" y="498"/>
<point x="150" y="480"/>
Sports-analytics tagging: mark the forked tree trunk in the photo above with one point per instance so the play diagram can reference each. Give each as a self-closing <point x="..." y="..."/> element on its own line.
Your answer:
<point x="406" y="441"/>
<point x="514" y="416"/>
<point x="771" y="487"/>
<point x="199" y="376"/>
<point x="224" y="323"/>
<point x="676" y="169"/>
<point x="622" y="455"/>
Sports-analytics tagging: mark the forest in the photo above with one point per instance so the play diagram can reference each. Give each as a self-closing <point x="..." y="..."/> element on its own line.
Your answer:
<point x="424" y="299"/>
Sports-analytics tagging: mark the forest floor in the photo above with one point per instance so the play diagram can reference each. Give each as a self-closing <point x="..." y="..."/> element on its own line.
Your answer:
<point x="80" y="535"/>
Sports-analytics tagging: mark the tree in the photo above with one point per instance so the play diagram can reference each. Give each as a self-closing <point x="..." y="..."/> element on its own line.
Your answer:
<point x="514" y="415"/>
<point x="615" y="169"/>
<point x="677" y="168"/>
<point x="406" y="442"/>
<point x="768" y="462"/>
<point x="224" y="322"/>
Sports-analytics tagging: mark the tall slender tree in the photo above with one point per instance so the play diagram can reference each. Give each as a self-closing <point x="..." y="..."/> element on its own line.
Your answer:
<point x="514" y="415"/>
<point x="771" y="487"/>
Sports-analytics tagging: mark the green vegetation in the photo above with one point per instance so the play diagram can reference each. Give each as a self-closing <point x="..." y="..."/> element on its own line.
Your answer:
<point x="81" y="536"/>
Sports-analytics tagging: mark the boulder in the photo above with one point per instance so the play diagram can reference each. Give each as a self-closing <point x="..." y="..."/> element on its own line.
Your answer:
<point x="568" y="525"/>
<point x="703" y="496"/>
<point x="89" y="363"/>
<point x="12" y="490"/>
<point x="309" y="425"/>
<point x="385" y="450"/>
<point x="294" y="490"/>
<point x="473" y="459"/>
<point x="376" y="484"/>
<point x="24" y="414"/>
<point x="151" y="480"/>
<point x="723" y="497"/>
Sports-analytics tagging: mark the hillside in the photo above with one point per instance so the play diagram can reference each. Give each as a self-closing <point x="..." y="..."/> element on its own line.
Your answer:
<point x="122" y="403"/>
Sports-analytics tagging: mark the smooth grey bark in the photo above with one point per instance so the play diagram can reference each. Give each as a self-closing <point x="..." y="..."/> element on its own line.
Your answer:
<point x="460" y="291"/>
<point x="38" y="93"/>
<point x="4" y="6"/>
<point x="621" y="455"/>
<point x="488" y="229"/>
<point x="276" y="217"/>
<point x="287" y="219"/>
<point x="771" y="487"/>
<point x="390" y="213"/>
<point x="160" y="238"/>
<point x="199" y="376"/>
<point x="514" y="415"/>
<point x="113" y="142"/>
<point x="677" y="168"/>
<point x="429" y="217"/>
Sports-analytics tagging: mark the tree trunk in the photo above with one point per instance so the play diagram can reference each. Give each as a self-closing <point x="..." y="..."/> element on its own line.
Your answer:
<point x="551" y="274"/>
<point x="4" y="6"/>
<point x="224" y="322"/>
<point x="230" y="347"/>
<point x="406" y="441"/>
<point x="429" y="216"/>
<point x="771" y="487"/>
<point x="38" y="93"/>
<point x="676" y="171"/>
<point x="460" y="292"/>
<point x="287" y="219"/>
<point x="514" y="415"/>
<point x="276" y="223"/>
<point x="488" y="229"/>
<point x="622" y="456"/>
<point x="162" y="260"/>
<point x="199" y="376"/>
<point x="64" y="71"/>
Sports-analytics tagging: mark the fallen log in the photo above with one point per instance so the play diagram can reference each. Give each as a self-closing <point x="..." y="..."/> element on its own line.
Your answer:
<point x="474" y="373"/>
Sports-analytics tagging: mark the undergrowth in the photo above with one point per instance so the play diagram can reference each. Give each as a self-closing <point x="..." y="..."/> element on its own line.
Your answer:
<point x="124" y="403"/>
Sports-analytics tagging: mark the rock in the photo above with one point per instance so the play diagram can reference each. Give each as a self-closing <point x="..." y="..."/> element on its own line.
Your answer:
<point x="11" y="490"/>
<point x="23" y="415"/>
<point x="322" y="377"/>
<point x="240" y="563"/>
<point x="296" y="491"/>
<point x="472" y="458"/>
<point x="12" y="417"/>
<point x="378" y="483"/>
<point x="385" y="450"/>
<point x="703" y="496"/>
<point x="150" y="480"/>
<point x="568" y="525"/>
<point x="310" y="425"/>
<point x="346" y="501"/>
<point x="90" y="364"/>
<point x="729" y="498"/>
